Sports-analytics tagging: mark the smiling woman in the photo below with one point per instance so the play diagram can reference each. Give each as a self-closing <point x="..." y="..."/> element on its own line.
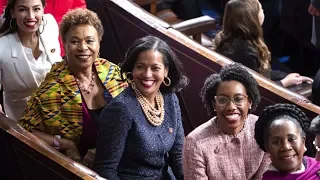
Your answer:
<point x="223" y="147"/>
<point x="64" y="110"/>
<point x="28" y="47"/>
<point x="281" y="130"/>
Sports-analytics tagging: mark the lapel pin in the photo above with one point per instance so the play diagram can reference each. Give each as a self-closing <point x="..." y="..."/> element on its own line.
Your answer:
<point x="170" y="130"/>
<point x="53" y="50"/>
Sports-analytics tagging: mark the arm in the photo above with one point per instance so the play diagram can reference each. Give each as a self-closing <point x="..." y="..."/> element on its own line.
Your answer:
<point x="263" y="166"/>
<point x="79" y="4"/>
<point x="175" y="153"/>
<point x="113" y="126"/>
<point x="194" y="165"/>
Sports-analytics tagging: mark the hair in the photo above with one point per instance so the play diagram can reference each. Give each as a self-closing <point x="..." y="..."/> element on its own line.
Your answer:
<point x="241" y="21"/>
<point x="315" y="125"/>
<point x="228" y="73"/>
<point x="281" y="111"/>
<point x="175" y="69"/>
<point x="77" y="17"/>
<point x="5" y="27"/>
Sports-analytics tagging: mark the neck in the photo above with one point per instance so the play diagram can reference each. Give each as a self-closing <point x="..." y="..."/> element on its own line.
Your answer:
<point x="28" y="39"/>
<point x="82" y="74"/>
<point x="229" y="131"/>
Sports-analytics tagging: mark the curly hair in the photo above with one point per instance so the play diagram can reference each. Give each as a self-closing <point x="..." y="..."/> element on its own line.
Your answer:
<point x="241" y="20"/>
<point x="5" y="27"/>
<point x="282" y="111"/>
<point x="178" y="79"/>
<point x="230" y="72"/>
<point x="315" y="125"/>
<point x="77" y="17"/>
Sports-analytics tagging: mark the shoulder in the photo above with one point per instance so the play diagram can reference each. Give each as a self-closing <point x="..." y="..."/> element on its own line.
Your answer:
<point x="107" y="67"/>
<point x="125" y="98"/>
<point x="251" y="122"/>
<point x="201" y="132"/>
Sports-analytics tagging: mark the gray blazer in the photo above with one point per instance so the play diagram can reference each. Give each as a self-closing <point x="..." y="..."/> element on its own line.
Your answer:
<point x="130" y="148"/>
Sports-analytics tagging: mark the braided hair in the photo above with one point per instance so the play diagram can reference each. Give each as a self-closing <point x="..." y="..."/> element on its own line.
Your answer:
<point x="230" y="72"/>
<point x="279" y="111"/>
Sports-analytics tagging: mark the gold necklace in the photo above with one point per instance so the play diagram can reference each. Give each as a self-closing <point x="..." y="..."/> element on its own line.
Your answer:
<point x="154" y="116"/>
<point x="90" y="86"/>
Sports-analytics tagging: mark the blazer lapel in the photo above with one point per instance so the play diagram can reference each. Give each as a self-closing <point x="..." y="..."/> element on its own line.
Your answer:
<point x="20" y="61"/>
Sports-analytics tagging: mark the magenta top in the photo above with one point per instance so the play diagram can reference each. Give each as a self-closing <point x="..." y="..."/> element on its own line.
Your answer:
<point x="312" y="172"/>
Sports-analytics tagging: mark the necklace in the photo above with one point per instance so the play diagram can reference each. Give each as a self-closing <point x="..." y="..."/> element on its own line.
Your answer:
<point x="90" y="86"/>
<point x="154" y="116"/>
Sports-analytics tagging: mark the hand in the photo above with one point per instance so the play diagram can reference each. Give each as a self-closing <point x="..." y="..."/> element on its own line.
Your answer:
<point x="71" y="150"/>
<point x="89" y="158"/>
<point x="291" y="79"/>
<point x="313" y="10"/>
<point x="306" y="79"/>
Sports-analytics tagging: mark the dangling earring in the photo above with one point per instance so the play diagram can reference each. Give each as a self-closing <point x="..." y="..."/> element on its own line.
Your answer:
<point x="10" y="23"/>
<point x="129" y="79"/>
<point x="167" y="83"/>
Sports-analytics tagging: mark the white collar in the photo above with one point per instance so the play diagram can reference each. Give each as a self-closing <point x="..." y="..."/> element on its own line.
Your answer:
<point x="303" y="168"/>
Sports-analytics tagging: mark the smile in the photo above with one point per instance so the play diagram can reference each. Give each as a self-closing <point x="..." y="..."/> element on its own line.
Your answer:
<point x="147" y="83"/>
<point x="232" y="117"/>
<point x="30" y="24"/>
<point x="287" y="157"/>
<point x="84" y="57"/>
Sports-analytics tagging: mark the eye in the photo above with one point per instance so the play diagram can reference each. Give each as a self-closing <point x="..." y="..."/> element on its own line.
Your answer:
<point x="222" y="100"/>
<point x="292" y="139"/>
<point x="238" y="99"/>
<point x="74" y="41"/>
<point x="90" y="41"/>
<point x="37" y="9"/>
<point x="22" y="10"/>
<point x="156" y="68"/>
<point x="275" y="142"/>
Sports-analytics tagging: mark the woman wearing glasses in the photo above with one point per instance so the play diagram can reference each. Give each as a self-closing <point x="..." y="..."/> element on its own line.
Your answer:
<point x="224" y="147"/>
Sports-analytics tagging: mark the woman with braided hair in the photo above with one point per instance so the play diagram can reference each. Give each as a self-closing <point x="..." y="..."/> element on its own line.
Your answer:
<point x="224" y="147"/>
<point x="281" y="130"/>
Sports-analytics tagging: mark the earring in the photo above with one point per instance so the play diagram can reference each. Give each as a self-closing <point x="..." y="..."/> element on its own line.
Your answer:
<point x="305" y="148"/>
<point x="43" y="23"/>
<point x="98" y="55"/>
<point x="129" y="79"/>
<point x="167" y="83"/>
<point x="10" y="23"/>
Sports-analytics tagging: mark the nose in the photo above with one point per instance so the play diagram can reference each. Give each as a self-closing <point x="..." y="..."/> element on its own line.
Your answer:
<point x="147" y="73"/>
<point x="286" y="146"/>
<point x="231" y="105"/>
<point x="82" y="46"/>
<point x="31" y="14"/>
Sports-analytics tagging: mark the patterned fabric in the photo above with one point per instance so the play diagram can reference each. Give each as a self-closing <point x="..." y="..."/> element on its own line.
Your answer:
<point x="56" y="107"/>
<point x="211" y="154"/>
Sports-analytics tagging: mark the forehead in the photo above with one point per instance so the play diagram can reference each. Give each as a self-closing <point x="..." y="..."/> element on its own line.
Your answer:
<point x="28" y="3"/>
<point x="283" y="127"/>
<point x="231" y="88"/>
<point x="82" y="31"/>
<point x="150" y="57"/>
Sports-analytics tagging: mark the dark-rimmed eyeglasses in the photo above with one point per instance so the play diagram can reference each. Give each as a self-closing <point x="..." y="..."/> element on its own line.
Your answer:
<point x="238" y="100"/>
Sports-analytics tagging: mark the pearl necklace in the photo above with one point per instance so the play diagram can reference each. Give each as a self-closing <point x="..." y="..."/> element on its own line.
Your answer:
<point x="90" y="86"/>
<point x="154" y="116"/>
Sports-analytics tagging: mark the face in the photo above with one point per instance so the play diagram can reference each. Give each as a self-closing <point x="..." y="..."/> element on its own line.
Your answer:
<point x="82" y="46"/>
<point x="28" y="15"/>
<point x="231" y="116"/>
<point x="261" y="14"/>
<point x="149" y="72"/>
<point x="285" y="145"/>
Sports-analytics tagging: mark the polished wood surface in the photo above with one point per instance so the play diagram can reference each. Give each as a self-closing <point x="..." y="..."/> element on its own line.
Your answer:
<point x="24" y="156"/>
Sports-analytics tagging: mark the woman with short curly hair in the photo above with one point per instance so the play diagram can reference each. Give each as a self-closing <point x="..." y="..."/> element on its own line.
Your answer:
<point x="64" y="110"/>
<point x="282" y="131"/>
<point x="223" y="147"/>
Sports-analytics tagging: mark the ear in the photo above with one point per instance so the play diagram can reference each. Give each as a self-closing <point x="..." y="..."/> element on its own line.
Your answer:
<point x="249" y="104"/>
<point x="12" y="14"/>
<point x="166" y="71"/>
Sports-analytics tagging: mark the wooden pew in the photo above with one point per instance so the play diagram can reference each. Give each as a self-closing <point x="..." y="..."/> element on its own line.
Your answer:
<point x="24" y="156"/>
<point x="125" y="22"/>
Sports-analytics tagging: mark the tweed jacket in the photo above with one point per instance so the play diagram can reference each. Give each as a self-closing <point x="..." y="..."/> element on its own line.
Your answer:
<point x="130" y="148"/>
<point x="209" y="154"/>
<point x="56" y="108"/>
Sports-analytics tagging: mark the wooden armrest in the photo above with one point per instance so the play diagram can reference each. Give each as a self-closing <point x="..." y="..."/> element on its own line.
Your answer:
<point x="196" y="25"/>
<point x="304" y="89"/>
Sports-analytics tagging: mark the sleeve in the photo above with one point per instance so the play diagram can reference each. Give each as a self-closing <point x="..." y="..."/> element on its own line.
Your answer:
<point x="175" y="154"/>
<point x="263" y="166"/>
<point x="277" y="75"/>
<point x="193" y="163"/>
<point x="79" y="4"/>
<point x="113" y="126"/>
<point x="50" y="38"/>
<point x="316" y="3"/>
<point x="31" y="118"/>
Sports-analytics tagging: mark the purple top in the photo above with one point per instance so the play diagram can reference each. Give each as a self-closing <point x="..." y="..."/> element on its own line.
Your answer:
<point x="312" y="172"/>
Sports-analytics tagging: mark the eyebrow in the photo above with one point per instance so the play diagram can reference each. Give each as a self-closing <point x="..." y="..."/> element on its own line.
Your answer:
<point x="27" y="7"/>
<point x="288" y="135"/>
<point x="233" y="95"/>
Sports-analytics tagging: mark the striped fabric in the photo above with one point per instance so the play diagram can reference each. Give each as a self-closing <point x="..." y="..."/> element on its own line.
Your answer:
<point x="56" y="107"/>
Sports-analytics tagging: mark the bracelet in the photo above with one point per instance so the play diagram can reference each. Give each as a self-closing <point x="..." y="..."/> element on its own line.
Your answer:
<point x="56" y="142"/>
<point x="316" y="146"/>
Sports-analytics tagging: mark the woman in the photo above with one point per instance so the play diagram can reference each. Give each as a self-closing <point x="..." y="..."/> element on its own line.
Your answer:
<point x="64" y="110"/>
<point x="29" y="46"/>
<point x="281" y="131"/>
<point x="140" y="133"/>
<point x="241" y="40"/>
<point x="315" y="129"/>
<point x="223" y="147"/>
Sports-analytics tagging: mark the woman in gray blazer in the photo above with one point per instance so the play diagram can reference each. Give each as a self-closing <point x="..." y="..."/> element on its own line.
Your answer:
<point x="28" y="46"/>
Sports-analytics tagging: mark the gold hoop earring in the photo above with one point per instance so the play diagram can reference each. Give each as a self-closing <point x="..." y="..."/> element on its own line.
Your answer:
<point x="167" y="83"/>
<point x="10" y="24"/>
<point x="129" y="79"/>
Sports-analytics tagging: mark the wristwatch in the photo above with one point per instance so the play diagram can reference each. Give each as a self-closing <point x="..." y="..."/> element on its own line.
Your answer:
<point x="56" y="142"/>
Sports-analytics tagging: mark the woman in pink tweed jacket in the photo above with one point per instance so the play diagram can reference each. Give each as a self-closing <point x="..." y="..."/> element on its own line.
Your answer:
<point x="224" y="147"/>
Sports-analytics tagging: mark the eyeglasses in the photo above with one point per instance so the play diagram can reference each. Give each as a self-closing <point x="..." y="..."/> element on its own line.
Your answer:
<point x="223" y="100"/>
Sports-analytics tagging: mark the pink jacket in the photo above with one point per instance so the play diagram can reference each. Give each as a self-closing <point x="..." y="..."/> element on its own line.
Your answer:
<point x="211" y="154"/>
